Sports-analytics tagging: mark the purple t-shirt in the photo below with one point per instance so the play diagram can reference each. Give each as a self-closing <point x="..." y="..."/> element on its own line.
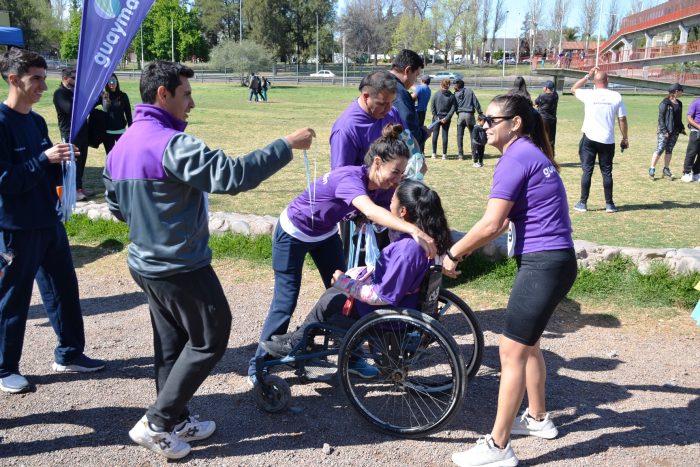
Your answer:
<point x="694" y="110"/>
<point x="334" y="193"/>
<point x="540" y="211"/>
<point x="398" y="274"/>
<point x="354" y="131"/>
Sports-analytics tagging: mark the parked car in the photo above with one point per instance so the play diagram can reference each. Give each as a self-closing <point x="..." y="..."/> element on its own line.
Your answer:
<point x="509" y="61"/>
<point x="440" y="75"/>
<point x="457" y="60"/>
<point x="526" y="61"/>
<point x="323" y="74"/>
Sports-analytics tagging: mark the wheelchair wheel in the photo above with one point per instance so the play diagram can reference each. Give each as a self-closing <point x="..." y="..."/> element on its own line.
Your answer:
<point x="461" y="322"/>
<point x="273" y="394"/>
<point x="421" y="378"/>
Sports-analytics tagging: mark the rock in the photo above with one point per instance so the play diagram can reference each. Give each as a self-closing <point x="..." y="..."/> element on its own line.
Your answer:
<point x="215" y="224"/>
<point x="644" y="267"/>
<point x="94" y="214"/>
<point x="260" y="227"/>
<point x="612" y="354"/>
<point x="240" y="227"/>
<point x="327" y="449"/>
<point x="690" y="264"/>
<point x="609" y="253"/>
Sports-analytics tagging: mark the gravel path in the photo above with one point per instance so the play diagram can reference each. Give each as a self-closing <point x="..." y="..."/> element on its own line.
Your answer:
<point x="622" y="394"/>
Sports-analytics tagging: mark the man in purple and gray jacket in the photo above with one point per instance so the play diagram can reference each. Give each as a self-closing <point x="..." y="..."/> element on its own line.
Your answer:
<point x="157" y="178"/>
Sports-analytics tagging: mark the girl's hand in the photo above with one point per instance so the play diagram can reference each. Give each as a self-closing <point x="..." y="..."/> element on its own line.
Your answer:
<point x="425" y="241"/>
<point x="336" y="275"/>
<point x="449" y="268"/>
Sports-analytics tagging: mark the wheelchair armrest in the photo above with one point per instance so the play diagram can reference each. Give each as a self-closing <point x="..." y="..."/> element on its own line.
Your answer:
<point x="430" y="290"/>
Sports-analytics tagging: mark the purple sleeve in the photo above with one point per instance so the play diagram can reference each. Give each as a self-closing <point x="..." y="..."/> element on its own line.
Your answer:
<point x="350" y="187"/>
<point x="344" y="149"/>
<point x="403" y="270"/>
<point x="508" y="179"/>
<point x="692" y="110"/>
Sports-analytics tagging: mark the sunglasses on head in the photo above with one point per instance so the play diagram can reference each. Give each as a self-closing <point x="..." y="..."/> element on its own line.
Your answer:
<point x="495" y="120"/>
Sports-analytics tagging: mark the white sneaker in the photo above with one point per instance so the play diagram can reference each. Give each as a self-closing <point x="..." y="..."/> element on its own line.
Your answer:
<point x="526" y="425"/>
<point x="193" y="430"/>
<point x="696" y="178"/>
<point x="433" y="156"/>
<point x="486" y="454"/>
<point x="687" y="178"/>
<point x="163" y="443"/>
<point x="444" y="157"/>
<point x="14" y="384"/>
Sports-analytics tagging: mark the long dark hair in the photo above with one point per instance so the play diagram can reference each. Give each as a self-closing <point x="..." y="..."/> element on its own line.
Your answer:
<point x="108" y="96"/>
<point x="533" y="127"/>
<point x="388" y="146"/>
<point x="520" y="88"/>
<point x="424" y="209"/>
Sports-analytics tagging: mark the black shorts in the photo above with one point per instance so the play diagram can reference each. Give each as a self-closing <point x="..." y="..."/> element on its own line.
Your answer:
<point x="542" y="281"/>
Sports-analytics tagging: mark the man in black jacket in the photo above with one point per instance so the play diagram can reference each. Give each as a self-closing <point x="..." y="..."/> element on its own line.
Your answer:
<point x="467" y="105"/>
<point x="406" y="67"/>
<point x="63" y="101"/>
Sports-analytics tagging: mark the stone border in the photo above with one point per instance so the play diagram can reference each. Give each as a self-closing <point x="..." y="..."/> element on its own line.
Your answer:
<point x="588" y="254"/>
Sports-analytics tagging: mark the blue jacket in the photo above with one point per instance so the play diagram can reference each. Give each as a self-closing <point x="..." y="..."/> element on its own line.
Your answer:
<point x="407" y="111"/>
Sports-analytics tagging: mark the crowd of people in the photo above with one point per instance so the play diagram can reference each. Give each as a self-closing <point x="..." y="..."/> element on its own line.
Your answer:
<point x="160" y="191"/>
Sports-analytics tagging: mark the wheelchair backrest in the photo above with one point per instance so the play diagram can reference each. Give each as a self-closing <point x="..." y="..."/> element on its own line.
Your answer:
<point x="430" y="289"/>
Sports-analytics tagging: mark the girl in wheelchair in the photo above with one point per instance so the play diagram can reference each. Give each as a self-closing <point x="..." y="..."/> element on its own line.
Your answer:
<point x="394" y="281"/>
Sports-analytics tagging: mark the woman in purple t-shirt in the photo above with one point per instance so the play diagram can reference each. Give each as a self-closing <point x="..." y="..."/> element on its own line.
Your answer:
<point x="309" y="225"/>
<point x="528" y="195"/>
<point x="394" y="281"/>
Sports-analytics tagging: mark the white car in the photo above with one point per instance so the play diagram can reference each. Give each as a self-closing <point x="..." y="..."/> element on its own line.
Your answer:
<point x="440" y="75"/>
<point x="323" y="74"/>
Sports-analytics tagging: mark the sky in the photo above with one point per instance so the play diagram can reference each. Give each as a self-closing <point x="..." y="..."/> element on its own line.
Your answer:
<point x="518" y="8"/>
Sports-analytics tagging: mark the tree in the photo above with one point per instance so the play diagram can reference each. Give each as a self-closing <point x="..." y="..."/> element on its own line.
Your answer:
<point x="243" y="57"/>
<point x="561" y="10"/>
<point x="499" y="18"/>
<point x="485" y="13"/>
<point x="365" y="29"/>
<point x="536" y="22"/>
<point x="570" y="33"/>
<point x="220" y="19"/>
<point x="468" y="27"/>
<point x="613" y="17"/>
<point x="589" y="19"/>
<point x="411" y="33"/>
<point x="447" y="15"/>
<point x="186" y="27"/>
<point x="69" y="43"/>
<point x="41" y="32"/>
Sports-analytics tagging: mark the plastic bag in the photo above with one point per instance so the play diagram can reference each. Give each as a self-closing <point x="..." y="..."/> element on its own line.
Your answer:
<point x="416" y="159"/>
<point x="371" y="247"/>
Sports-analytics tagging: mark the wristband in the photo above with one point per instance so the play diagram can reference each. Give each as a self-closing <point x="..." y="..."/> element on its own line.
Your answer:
<point x="452" y="258"/>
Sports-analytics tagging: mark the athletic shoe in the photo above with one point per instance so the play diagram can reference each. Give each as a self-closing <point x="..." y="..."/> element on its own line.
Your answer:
<point x="161" y="442"/>
<point x="667" y="172"/>
<point x="610" y="207"/>
<point x="485" y="453"/>
<point x="444" y="157"/>
<point x="526" y="425"/>
<point x="652" y="172"/>
<point x="696" y="178"/>
<point x="581" y="207"/>
<point x="687" y="178"/>
<point x="80" y="196"/>
<point x="481" y="164"/>
<point x="194" y="430"/>
<point x="14" y="384"/>
<point x="361" y="368"/>
<point x="88" y="193"/>
<point x="476" y="165"/>
<point x="82" y="364"/>
<point x="433" y="156"/>
<point x="460" y="157"/>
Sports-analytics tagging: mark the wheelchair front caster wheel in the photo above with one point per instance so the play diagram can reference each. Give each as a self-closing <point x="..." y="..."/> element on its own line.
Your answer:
<point x="273" y="394"/>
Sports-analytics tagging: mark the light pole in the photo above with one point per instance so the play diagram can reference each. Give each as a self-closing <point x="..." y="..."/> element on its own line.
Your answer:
<point x="316" y="42"/>
<point x="505" y="22"/>
<point x="172" y="39"/>
<point x="240" y="20"/>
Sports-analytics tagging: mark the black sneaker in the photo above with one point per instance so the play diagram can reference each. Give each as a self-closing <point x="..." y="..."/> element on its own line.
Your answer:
<point x="652" y="172"/>
<point x="667" y="172"/>
<point x="279" y="348"/>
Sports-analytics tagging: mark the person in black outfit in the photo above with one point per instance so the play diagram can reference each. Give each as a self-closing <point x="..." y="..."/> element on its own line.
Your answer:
<point x="63" y="101"/>
<point x="443" y="106"/>
<point x="547" y="103"/>
<point x="254" y="87"/>
<point x="467" y="106"/>
<point x="670" y="126"/>
<point x="478" y="143"/>
<point x="116" y="105"/>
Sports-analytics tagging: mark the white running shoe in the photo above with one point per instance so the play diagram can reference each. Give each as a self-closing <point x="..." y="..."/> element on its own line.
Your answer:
<point x="14" y="384"/>
<point x="486" y="454"/>
<point x="687" y="178"/>
<point x="163" y="443"/>
<point x="193" y="429"/>
<point x="526" y="425"/>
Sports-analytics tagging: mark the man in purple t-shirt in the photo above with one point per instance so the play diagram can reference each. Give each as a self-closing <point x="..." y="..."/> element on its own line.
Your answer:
<point x="691" y="165"/>
<point x="363" y="121"/>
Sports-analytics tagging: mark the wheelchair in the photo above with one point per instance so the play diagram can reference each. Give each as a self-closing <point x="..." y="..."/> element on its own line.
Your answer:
<point x="424" y="356"/>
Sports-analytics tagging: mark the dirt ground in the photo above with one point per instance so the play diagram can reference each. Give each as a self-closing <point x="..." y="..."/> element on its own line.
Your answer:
<point x="622" y="394"/>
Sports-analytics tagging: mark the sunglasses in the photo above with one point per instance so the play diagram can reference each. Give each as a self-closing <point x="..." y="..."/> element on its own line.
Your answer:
<point x="491" y="121"/>
<point x="112" y="81"/>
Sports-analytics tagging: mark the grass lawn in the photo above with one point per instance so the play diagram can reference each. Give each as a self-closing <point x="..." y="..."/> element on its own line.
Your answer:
<point x="654" y="213"/>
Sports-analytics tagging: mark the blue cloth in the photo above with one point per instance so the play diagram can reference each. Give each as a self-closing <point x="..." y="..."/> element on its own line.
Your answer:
<point x="696" y="313"/>
<point x="44" y="254"/>
<point x="423" y="92"/>
<point x="288" y="255"/>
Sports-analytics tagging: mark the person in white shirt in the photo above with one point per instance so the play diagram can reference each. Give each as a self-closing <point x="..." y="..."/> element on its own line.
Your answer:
<point x="602" y="106"/>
